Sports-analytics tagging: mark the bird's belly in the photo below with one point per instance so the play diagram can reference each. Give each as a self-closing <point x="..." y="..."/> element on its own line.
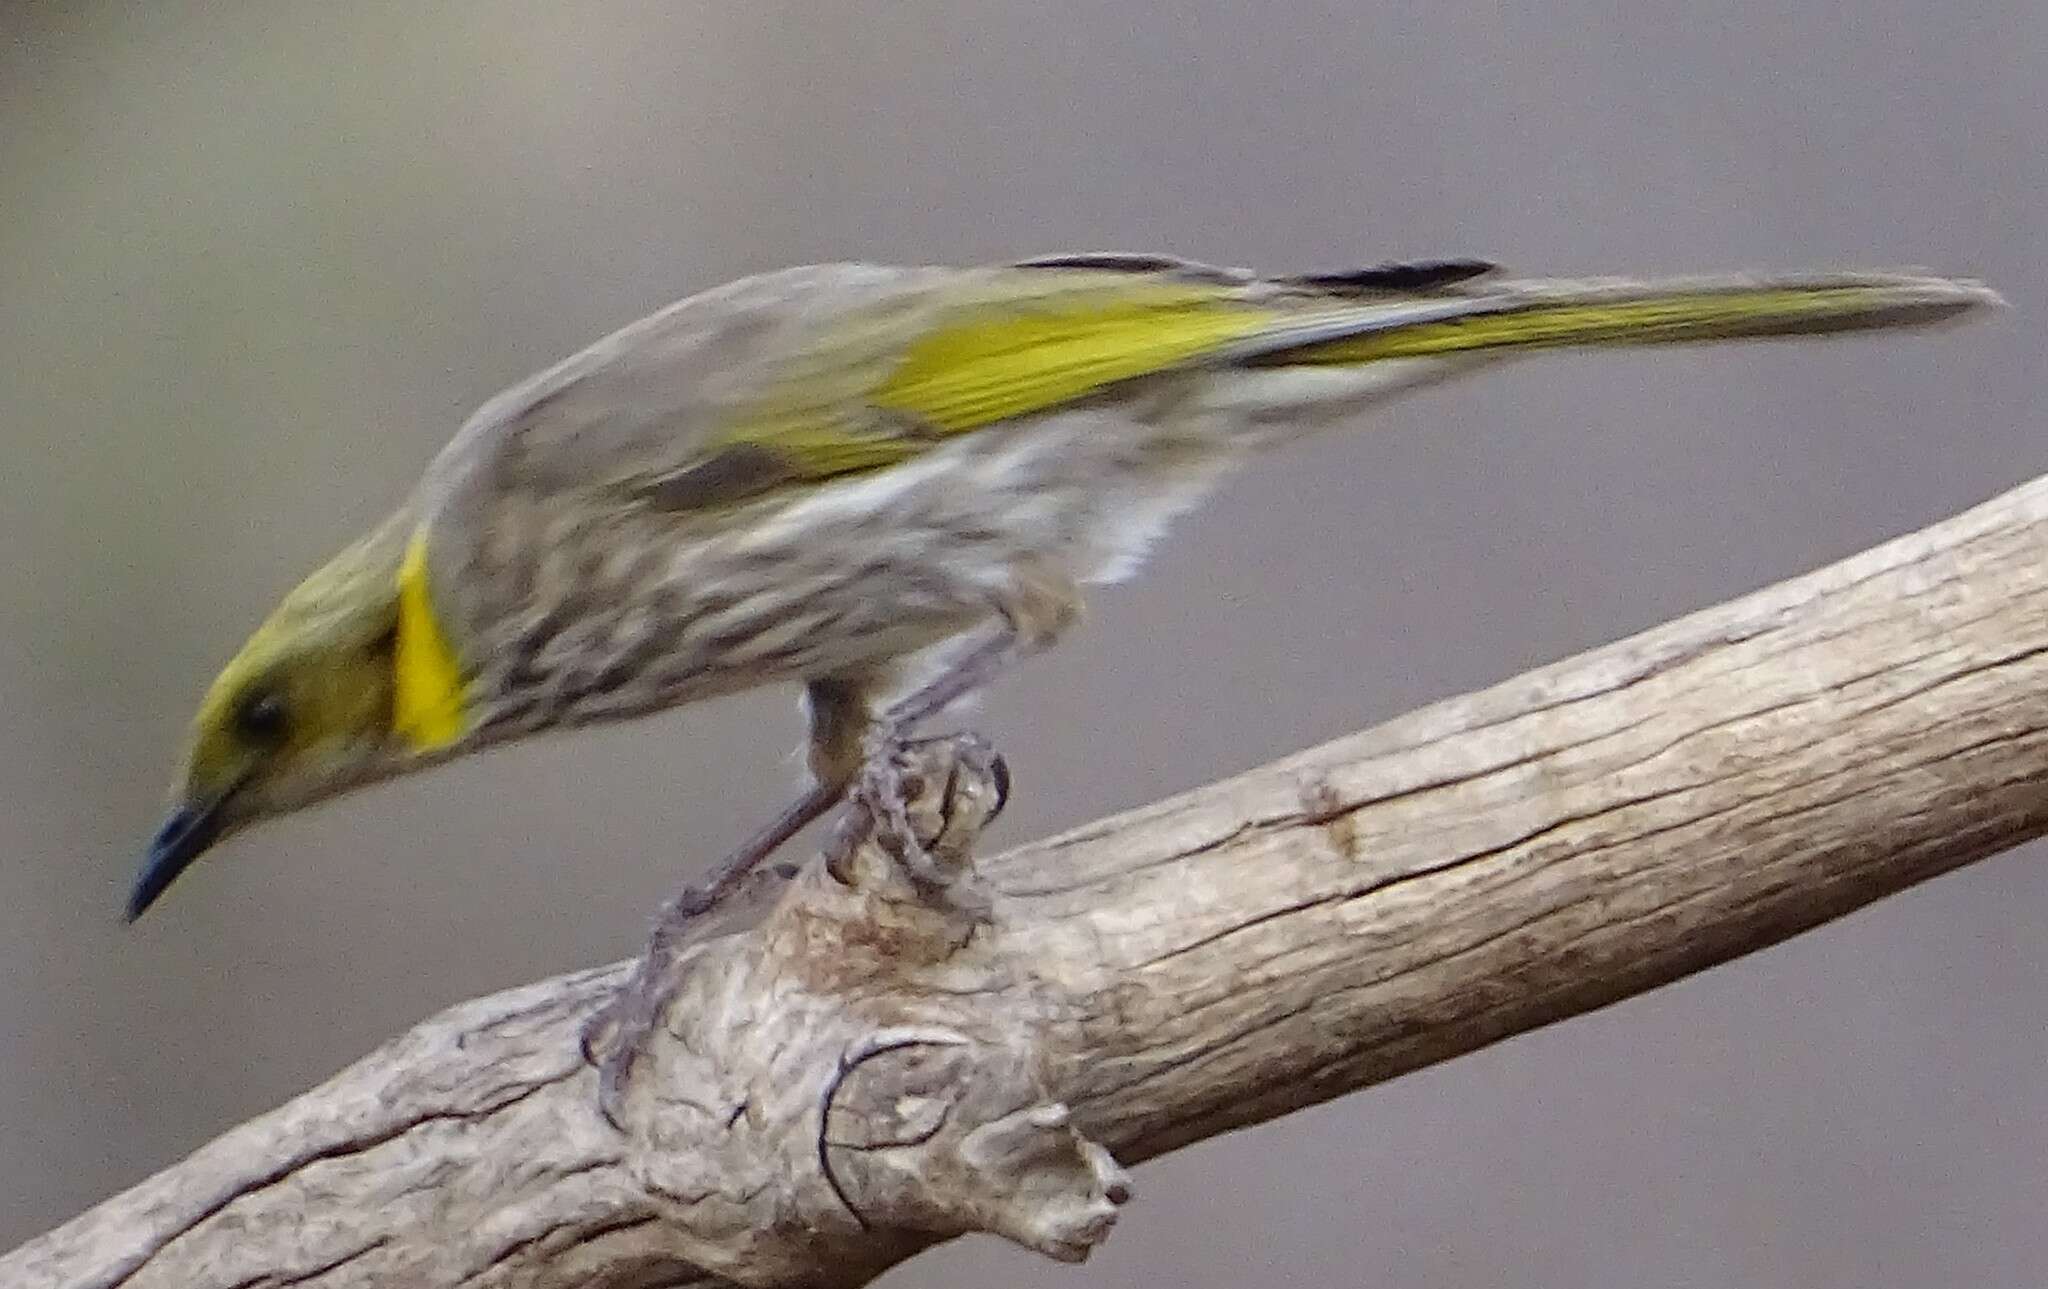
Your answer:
<point x="849" y="576"/>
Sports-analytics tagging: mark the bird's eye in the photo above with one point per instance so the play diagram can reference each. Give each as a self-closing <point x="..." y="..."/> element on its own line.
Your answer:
<point x="261" y="717"/>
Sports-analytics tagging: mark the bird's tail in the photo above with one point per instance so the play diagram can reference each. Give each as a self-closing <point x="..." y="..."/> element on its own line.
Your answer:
<point x="1342" y="354"/>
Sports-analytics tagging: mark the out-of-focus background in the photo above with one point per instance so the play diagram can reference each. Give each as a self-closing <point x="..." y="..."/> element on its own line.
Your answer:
<point x="257" y="261"/>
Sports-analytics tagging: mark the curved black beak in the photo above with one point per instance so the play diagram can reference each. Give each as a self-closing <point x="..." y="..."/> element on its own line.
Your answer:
<point x="184" y="837"/>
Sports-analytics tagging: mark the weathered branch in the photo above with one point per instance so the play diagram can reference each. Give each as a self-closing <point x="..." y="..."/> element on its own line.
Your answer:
<point x="864" y="1072"/>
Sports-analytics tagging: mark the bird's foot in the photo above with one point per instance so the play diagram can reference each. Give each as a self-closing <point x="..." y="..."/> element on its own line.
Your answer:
<point x="922" y="803"/>
<point x="617" y="1033"/>
<point x="917" y="807"/>
<point x="616" y="1036"/>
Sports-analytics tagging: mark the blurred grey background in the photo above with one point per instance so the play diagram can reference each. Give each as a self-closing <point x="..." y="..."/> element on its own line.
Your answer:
<point x="257" y="261"/>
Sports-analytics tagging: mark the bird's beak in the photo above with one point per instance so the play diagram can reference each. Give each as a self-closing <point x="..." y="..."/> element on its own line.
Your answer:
<point x="184" y="837"/>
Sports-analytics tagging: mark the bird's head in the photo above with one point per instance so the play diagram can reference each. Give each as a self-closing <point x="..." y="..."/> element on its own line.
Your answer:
<point x="303" y="711"/>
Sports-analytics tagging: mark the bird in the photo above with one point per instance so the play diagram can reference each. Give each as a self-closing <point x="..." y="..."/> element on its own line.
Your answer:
<point x="883" y="484"/>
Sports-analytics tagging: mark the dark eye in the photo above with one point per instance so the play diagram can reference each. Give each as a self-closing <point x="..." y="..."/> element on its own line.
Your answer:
<point x="261" y="717"/>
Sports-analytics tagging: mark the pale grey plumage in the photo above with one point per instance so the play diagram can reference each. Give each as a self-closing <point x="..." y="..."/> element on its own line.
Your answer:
<point x="825" y="474"/>
<point x="600" y="557"/>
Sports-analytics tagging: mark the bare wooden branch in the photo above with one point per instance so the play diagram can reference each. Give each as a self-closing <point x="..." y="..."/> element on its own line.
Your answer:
<point x="866" y="1071"/>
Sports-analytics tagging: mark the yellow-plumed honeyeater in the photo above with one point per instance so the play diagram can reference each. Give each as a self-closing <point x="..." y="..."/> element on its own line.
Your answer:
<point x="880" y="482"/>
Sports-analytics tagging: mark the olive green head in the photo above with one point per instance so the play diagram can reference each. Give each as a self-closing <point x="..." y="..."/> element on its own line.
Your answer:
<point x="304" y="710"/>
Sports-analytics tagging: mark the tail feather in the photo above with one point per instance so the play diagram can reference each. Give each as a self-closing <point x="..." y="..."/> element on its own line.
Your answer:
<point x="1558" y="314"/>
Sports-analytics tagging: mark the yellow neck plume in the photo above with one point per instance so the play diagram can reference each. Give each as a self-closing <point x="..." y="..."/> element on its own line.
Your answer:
<point x="428" y="707"/>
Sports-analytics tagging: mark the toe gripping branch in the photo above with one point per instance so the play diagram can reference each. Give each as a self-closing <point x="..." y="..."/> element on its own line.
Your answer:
<point x="867" y="1070"/>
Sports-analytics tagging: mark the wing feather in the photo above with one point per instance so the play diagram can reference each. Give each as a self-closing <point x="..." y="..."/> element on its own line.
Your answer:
<point x="833" y="370"/>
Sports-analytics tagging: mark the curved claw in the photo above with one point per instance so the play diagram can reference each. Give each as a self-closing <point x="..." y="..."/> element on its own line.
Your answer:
<point x="612" y="1079"/>
<point x="617" y="1034"/>
<point x="999" y="773"/>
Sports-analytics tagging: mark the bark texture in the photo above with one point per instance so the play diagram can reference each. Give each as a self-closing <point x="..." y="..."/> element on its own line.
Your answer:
<point x="868" y="1070"/>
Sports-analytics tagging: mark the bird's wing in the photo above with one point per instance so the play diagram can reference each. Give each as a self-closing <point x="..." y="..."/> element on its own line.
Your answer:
<point x="813" y="373"/>
<point x="817" y="373"/>
<point x="886" y="378"/>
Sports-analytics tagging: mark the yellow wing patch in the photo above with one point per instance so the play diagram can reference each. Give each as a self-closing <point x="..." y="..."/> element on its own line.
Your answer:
<point x="866" y="399"/>
<point x="428" y="706"/>
<point x="1001" y="360"/>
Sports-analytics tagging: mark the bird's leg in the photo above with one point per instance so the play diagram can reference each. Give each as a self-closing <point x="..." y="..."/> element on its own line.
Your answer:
<point x="840" y="715"/>
<point x="1038" y="605"/>
<point x="880" y="794"/>
<point x="850" y="748"/>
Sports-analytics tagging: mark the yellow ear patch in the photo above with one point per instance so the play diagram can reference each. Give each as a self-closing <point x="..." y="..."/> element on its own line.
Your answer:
<point x="427" y="698"/>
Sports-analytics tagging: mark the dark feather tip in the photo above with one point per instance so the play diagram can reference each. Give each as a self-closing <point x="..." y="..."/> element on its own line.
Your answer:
<point x="1411" y="275"/>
